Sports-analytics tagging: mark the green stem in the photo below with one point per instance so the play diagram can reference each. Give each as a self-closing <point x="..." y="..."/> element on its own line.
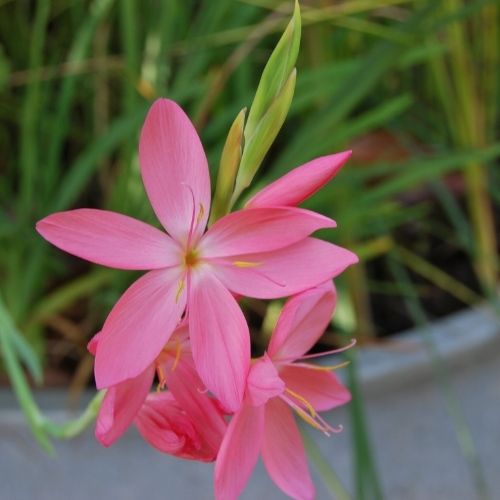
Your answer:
<point x="328" y="475"/>
<point x="470" y="130"/>
<point x="68" y="293"/>
<point x="40" y="426"/>
<point x="20" y="385"/>
<point x="72" y="428"/>
<point x="97" y="10"/>
<point x="30" y="110"/>
<point x="128" y="22"/>
<point x="455" y="412"/>
<point x="366" y="476"/>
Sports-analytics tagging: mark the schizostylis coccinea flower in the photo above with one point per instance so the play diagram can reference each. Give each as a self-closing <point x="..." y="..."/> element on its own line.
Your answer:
<point x="261" y="252"/>
<point x="183" y="421"/>
<point x="279" y="384"/>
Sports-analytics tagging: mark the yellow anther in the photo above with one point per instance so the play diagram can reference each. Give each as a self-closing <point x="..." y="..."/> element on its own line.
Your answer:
<point x="177" y="357"/>
<point x="180" y="288"/>
<point x="310" y="416"/>
<point x="161" y="378"/>
<point x="303" y="400"/>
<point x="307" y="418"/>
<point x="201" y="213"/>
<point x="243" y="263"/>
<point x="329" y="368"/>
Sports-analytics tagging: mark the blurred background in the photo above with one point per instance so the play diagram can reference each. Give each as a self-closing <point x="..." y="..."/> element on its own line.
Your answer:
<point x="411" y="86"/>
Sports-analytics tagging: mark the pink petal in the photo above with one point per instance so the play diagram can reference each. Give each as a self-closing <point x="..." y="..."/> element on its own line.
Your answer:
<point x="321" y="388"/>
<point x="138" y="326"/>
<point x="239" y="452"/>
<point x="283" y="452"/>
<point x="174" y="169"/>
<point x="302" y="322"/>
<point x="263" y="381"/>
<point x="92" y="344"/>
<point x="180" y="337"/>
<point x="189" y="391"/>
<point x="109" y="239"/>
<point x="300" y="183"/>
<point x="220" y="339"/>
<point x="164" y="424"/>
<point x="120" y="406"/>
<point x="260" y="230"/>
<point x="286" y="271"/>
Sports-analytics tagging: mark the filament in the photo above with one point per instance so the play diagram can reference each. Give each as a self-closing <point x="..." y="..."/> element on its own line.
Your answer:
<point x="303" y="400"/>
<point x="309" y="414"/>
<point x="323" y="367"/>
<point x="249" y="265"/>
<point x="177" y="357"/>
<point x="180" y="288"/>
<point x="304" y="415"/>
<point x="352" y="343"/>
<point x="201" y="213"/>
<point x="193" y="217"/>
<point x="162" y="382"/>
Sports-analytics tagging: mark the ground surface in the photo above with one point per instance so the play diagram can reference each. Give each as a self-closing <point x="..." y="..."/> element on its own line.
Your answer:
<point x="417" y="450"/>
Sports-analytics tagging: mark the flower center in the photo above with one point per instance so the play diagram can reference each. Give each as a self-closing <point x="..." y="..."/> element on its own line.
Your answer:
<point x="191" y="258"/>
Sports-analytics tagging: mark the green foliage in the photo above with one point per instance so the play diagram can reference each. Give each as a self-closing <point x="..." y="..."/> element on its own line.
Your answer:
<point x="271" y="103"/>
<point x="228" y="168"/>
<point x="259" y="142"/>
<point x="276" y="72"/>
<point x="15" y="351"/>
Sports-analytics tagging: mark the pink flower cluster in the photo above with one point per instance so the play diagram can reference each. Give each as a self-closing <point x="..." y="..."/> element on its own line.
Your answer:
<point x="181" y="321"/>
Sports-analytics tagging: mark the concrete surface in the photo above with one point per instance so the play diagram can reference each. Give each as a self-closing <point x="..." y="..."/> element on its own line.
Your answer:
<point x="417" y="452"/>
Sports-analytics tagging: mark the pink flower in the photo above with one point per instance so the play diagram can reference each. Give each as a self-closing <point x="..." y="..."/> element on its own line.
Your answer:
<point x="261" y="252"/>
<point x="300" y="183"/>
<point x="183" y="421"/>
<point x="277" y="385"/>
<point x="166" y="426"/>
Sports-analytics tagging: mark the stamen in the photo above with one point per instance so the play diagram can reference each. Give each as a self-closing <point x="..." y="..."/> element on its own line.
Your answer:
<point x="192" y="224"/>
<point x="304" y="401"/>
<point x="177" y="357"/>
<point x="352" y="343"/>
<point x="180" y="288"/>
<point x="308" y="419"/>
<point x="201" y="213"/>
<point x="243" y="263"/>
<point x="323" y="367"/>
<point x="188" y="294"/>
<point x="335" y="430"/>
<point x="310" y="416"/>
<point x="304" y="415"/>
<point x="162" y="382"/>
